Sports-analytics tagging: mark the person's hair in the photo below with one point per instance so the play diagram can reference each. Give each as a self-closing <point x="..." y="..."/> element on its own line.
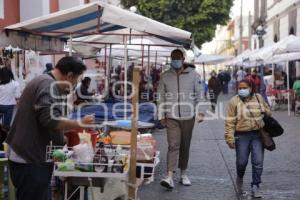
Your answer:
<point x="241" y="68"/>
<point x="249" y="83"/>
<point x="70" y="64"/>
<point x="86" y="80"/>
<point x="6" y="75"/>
<point x="177" y="51"/>
<point x="49" y="66"/>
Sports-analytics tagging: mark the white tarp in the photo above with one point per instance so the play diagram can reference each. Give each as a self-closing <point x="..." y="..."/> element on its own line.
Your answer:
<point x="289" y="47"/>
<point x="266" y="53"/>
<point x="99" y="18"/>
<point x="284" y="57"/>
<point x="88" y="46"/>
<point x="209" y="59"/>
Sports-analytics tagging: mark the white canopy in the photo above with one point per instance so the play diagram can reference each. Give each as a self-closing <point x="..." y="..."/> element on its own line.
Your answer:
<point x="289" y="47"/>
<point x="284" y="57"/>
<point x="98" y="18"/>
<point x="266" y="53"/>
<point x="134" y="46"/>
<point x="208" y="59"/>
<point x="239" y="60"/>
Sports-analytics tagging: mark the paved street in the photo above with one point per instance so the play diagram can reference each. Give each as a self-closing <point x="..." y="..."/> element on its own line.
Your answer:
<point x="212" y="165"/>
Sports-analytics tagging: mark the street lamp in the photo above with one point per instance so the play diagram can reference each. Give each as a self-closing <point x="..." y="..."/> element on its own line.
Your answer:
<point x="260" y="32"/>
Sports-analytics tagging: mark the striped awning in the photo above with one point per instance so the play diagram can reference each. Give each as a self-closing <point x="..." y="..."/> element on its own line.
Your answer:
<point x="99" y="18"/>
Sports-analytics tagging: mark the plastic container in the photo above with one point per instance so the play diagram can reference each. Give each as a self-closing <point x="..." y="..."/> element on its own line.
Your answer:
<point x="73" y="138"/>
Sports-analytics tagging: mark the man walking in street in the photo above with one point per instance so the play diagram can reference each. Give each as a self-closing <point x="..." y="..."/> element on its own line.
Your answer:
<point x="38" y="122"/>
<point x="179" y="92"/>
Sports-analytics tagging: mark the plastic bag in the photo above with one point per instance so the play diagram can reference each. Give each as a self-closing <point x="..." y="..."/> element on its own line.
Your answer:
<point x="84" y="151"/>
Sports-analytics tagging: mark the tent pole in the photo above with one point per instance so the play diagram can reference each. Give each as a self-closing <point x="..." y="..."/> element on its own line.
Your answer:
<point x="148" y="60"/>
<point x="148" y="74"/>
<point x="288" y="86"/>
<point x="273" y="75"/>
<point x="155" y="59"/>
<point x="105" y="61"/>
<point x="125" y="76"/>
<point x="203" y="73"/>
<point x="132" y="189"/>
<point x="143" y="52"/>
<point x="71" y="45"/>
<point x="110" y="62"/>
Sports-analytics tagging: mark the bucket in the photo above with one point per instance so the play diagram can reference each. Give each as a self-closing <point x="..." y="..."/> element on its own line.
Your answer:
<point x="73" y="138"/>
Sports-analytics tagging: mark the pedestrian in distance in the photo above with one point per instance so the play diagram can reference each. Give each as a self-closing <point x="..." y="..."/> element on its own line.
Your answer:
<point x="10" y="93"/>
<point x="179" y="92"/>
<point x="39" y="122"/>
<point x="214" y="87"/>
<point x="240" y="74"/>
<point x="242" y="133"/>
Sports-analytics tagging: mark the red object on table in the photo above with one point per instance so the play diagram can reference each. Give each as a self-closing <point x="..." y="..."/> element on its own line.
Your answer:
<point x="73" y="138"/>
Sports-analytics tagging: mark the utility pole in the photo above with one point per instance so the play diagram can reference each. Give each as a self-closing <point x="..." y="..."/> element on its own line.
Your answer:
<point x="241" y="30"/>
<point x="250" y="31"/>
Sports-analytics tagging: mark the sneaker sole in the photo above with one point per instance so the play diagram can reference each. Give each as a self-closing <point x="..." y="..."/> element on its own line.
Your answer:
<point x="166" y="185"/>
<point x="184" y="184"/>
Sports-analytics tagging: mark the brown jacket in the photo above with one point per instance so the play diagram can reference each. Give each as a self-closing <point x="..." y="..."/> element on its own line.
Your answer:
<point x="214" y="85"/>
<point x="239" y="118"/>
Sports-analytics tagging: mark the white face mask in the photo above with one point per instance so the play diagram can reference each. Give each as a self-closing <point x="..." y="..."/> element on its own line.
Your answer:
<point x="176" y="64"/>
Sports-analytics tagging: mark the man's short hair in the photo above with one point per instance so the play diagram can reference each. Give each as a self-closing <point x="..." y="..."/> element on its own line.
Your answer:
<point x="177" y="51"/>
<point x="70" y="64"/>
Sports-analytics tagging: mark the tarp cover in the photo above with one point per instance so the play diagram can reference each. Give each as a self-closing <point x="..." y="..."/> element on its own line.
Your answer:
<point x="99" y="18"/>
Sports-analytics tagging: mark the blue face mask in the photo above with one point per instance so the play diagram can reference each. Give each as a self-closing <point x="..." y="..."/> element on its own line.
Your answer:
<point x="244" y="93"/>
<point x="176" y="64"/>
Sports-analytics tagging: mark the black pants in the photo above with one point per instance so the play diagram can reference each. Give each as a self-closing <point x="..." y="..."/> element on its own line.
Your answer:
<point x="213" y="99"/>
<point x="30" y="180"/>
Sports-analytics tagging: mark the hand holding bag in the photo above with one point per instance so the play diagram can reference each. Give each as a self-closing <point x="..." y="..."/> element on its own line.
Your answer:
<point x="271" y="125"/>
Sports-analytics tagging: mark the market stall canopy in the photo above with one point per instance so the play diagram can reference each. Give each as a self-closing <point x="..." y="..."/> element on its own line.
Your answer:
<point x="266" y="53"/>
<point x="98" y="18"/>
<point x="284" y="58"/>
<point x="208" y="59"/>
<point x="90" y="45"/>
<point x="289" y="47"/>
<point x="240" y="59"/>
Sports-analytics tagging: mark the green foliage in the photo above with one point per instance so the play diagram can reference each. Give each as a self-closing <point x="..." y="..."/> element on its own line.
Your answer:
<point x="197" y="16"/>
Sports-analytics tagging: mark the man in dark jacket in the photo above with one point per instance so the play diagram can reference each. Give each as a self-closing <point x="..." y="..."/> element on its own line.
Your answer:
<point x="214" y="88"/>
<point x="39" y="122"/>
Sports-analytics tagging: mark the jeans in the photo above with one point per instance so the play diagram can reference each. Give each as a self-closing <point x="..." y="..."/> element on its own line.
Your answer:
<point x="245" y="144"/>
<point x="7" y="111"/>
<point x="31" y="181"/>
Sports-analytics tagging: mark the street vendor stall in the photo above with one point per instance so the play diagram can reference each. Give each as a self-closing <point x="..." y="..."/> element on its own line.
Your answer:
<point x="115" y="26"/>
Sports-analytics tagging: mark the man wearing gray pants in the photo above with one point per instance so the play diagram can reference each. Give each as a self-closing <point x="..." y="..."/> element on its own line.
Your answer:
<point x="179" y="94"/>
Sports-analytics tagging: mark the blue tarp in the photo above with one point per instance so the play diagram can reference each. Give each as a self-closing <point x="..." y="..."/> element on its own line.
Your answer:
<point x="114" y="110"/>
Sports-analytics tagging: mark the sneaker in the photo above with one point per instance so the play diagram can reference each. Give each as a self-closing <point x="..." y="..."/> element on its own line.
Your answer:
<point x="167" y="183"/>
<point x="184" y="180"/>
<point x="256" y="193"/>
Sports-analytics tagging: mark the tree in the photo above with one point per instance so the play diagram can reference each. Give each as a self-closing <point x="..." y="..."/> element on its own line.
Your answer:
<point x="197" y="16"/>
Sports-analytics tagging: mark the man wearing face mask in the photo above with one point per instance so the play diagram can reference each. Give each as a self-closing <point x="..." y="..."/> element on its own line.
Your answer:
<point x="179" y="92"/>
<point x="38" y="122"/>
